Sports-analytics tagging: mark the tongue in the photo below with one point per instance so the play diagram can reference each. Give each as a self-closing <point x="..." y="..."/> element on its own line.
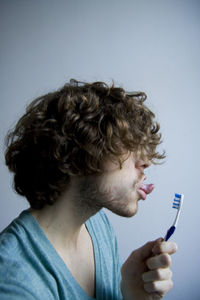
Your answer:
<point x="147" y="188"/>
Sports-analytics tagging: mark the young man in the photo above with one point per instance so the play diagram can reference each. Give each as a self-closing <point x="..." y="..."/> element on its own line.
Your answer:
<point x="74" y="152"/>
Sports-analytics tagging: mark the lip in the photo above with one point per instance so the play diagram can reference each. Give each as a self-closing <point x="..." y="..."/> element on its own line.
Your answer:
<point x="145" y="189"/>
<point x="142" y="194"/>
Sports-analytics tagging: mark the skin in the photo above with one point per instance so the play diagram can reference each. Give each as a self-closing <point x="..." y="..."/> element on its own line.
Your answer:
<point x="116" y="189"/>
<point x="146" y="274"/>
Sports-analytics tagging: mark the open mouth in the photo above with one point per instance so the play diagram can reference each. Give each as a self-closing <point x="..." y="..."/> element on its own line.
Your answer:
<point x="145" y="189"/>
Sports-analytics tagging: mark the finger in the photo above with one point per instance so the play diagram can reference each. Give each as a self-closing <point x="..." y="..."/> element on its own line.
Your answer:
<point x="161" y="287"/>
<point x="159" y="261"/>
<point x="145" y="251"/>
<point x="157" y="275"/>
<point x="164" y="247"/>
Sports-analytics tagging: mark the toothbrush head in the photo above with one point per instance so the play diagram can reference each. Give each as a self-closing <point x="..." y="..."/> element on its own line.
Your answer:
<point x="178" y="201"/>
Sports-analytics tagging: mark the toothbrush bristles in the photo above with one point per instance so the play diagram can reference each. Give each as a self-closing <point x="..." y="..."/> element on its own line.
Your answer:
<point x="176" y="204"/>
<point x="177" y="201"/>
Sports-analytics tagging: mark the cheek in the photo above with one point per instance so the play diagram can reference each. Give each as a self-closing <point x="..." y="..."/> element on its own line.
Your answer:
<point x="120" y="184"/>
<point x="120" y="190"/>
<point x="129" y="179"/>
<point x="111" y="190"/>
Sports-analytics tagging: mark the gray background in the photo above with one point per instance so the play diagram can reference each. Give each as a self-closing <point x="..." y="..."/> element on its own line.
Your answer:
<point x="153" y="46"/>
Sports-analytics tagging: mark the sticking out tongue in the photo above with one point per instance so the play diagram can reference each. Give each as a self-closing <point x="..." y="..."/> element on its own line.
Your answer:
<point x="147" y="188"/>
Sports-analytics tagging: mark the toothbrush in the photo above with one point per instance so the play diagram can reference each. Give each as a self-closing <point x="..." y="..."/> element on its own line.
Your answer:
<point x="177" y="204"/>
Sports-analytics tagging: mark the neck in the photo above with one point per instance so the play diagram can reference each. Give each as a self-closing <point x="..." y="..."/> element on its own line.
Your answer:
<point x="64" y="221"/>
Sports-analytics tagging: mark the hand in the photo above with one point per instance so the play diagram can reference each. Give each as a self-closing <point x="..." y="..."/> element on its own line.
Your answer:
<point x="146" y="274"/>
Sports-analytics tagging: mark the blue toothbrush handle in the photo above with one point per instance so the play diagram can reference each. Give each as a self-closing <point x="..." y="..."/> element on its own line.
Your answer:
<point x="170" y="232"/>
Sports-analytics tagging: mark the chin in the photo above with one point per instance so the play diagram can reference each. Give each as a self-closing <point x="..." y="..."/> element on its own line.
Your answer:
<point x="125" y="211"/>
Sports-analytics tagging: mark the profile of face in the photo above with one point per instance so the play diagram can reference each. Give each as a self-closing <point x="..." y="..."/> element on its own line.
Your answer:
<point x="117" y="189"/>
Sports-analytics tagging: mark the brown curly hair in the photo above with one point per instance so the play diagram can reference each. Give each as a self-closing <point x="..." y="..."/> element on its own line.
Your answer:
<point x="70" y="132"/>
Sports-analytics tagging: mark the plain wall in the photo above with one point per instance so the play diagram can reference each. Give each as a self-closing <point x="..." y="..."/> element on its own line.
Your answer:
<point x="151" y="45"/>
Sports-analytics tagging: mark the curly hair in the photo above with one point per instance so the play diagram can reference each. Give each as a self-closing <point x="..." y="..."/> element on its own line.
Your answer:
<point x="71" y="131"/>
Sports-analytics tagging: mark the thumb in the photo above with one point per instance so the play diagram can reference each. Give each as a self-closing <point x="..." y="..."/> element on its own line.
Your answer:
<point x="145" y="251"/>
<point x="135" y="265"/>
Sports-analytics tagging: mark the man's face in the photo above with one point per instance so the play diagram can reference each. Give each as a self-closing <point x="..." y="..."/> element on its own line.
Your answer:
<point x="117" y="189"/>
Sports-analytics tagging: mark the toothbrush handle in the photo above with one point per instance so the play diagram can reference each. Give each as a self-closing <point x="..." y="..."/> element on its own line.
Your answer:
<point x="170" y="232"/>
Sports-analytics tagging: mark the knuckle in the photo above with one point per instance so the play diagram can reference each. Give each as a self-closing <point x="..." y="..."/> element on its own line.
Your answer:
<point x="154" y="286"/>
<point x="157" y="249"/>
<point x="149" y="262"/>
<point x="145" y="276"/>
<point x="166" y="259"/>
<point x="146" y="287"/>
<point x="148" y="244"/>
<point x="158" y="274"/>
<point x="150" y="287"/>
